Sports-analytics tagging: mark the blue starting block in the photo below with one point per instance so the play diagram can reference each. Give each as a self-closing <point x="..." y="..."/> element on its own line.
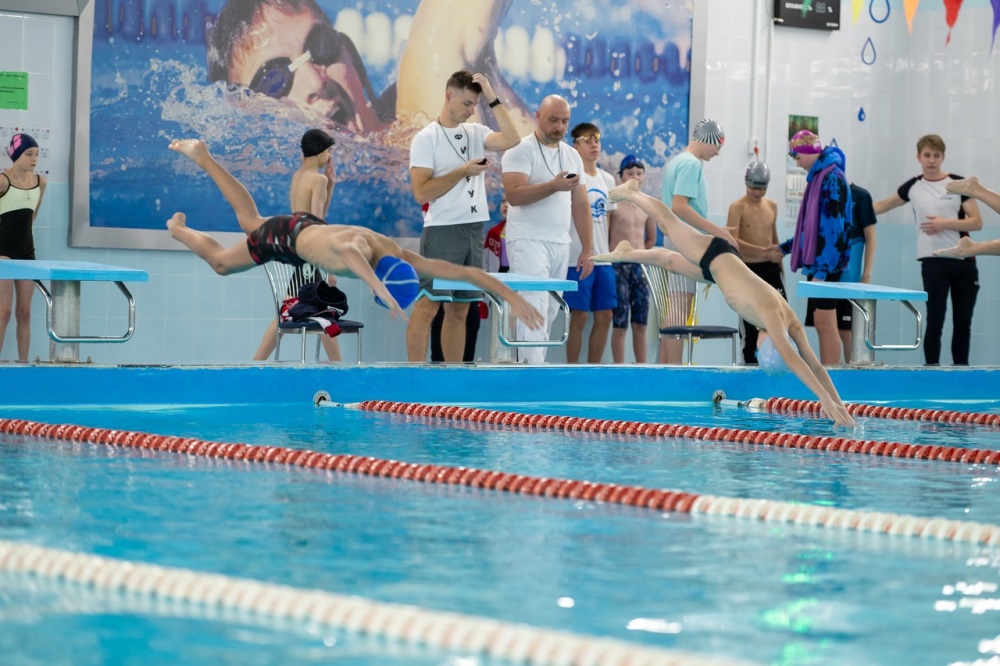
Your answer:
<point x="864" y="297"/>
<point x="62" y="303"/>
<point x="502" y="342"/>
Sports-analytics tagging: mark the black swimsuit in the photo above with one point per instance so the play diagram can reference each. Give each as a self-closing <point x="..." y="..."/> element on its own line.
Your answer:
<point x="275" y="239"/>
<point x="716" y="247"/>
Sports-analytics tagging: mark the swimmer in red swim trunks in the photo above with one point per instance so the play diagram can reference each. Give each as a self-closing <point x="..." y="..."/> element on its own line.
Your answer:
<point x="705" y="258"/>
<point x="343" y="250"/>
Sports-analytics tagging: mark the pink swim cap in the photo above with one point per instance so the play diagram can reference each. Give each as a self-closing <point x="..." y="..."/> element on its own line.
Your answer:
<point x="806" y="143"/>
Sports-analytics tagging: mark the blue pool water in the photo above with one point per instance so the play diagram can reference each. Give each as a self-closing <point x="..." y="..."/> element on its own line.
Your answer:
<point x="767" y="592"/>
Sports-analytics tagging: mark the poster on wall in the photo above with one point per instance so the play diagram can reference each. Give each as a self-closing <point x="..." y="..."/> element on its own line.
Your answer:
<point x="250" y="76"/>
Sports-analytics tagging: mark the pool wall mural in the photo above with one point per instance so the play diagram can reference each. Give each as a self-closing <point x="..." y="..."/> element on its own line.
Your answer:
<point x="370" y="74"/>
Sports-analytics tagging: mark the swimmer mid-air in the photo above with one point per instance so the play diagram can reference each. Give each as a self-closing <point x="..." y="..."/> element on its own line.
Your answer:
<point x="347" y="251"/>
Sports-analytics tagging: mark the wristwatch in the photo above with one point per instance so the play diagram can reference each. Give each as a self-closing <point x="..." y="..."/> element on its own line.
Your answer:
<point x="496" y="102"/>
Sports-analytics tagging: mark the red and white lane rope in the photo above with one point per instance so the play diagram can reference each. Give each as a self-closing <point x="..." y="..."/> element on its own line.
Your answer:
<point x="517" y="643"/>
<point x="759" y="437"/>
<point x="789" y="405"/>
<point x="657" y="499"/>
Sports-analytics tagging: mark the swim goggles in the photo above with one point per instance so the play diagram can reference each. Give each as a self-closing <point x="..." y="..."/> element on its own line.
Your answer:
<point x="275" y="78"/>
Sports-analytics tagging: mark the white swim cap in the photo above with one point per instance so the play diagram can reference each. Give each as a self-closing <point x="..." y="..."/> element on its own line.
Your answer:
<point x="769" y="360"/>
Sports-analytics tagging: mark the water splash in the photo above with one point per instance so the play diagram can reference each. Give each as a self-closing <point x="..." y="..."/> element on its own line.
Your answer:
<point x="868" y="54"/>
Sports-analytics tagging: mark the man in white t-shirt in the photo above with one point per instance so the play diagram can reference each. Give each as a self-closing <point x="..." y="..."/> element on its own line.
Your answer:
<point x="598" y="293"/>
<point x="541" y="179"/>
<point x="447" y="165"/>
<point x="942" y="218"/>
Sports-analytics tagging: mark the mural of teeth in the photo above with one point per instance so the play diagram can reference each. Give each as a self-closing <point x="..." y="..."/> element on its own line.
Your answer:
<point x="400" y="33"/>
<point x="543" y="48"/>
<point x="351" y="23"/>
<point x="378" y="39"/>
<point x="516" y="52"/>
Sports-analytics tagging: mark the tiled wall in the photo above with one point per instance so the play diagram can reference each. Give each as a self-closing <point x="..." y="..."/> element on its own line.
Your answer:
<point x="186" y="314"/>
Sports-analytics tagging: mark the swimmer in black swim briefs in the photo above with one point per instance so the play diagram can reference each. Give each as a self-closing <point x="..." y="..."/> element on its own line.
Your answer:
<point x="275" y="239"/>
<point x="716" y="247"/>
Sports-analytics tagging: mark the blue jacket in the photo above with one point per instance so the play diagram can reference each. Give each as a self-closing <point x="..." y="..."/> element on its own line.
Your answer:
<point x="833" y="247"/>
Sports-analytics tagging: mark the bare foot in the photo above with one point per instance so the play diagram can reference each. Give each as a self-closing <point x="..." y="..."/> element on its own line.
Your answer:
<point x="618" y="254"/>
<point x="195" y="149"/>
<point x="176" y="223"/>
<point x="960" y="251"/>
<point x="965" y="186"/>
<point x="624" y="191"/>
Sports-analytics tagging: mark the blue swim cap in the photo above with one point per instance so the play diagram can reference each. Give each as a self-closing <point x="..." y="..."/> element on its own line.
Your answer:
<point x="770" y="360"/>
<point x="399" y="278"/>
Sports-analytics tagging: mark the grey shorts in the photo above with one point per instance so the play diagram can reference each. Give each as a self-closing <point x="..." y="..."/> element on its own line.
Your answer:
<point x="460" y="244"/>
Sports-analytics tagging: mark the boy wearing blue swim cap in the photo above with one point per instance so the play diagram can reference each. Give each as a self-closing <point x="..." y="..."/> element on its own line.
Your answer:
<point x="343" y="250"/>
<point x="710" y="259"/>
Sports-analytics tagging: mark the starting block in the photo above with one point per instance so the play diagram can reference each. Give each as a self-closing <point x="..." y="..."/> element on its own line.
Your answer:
<point x="502" y="343"/>
<point x="62" y="303"/>
<point x="865" y="297"/>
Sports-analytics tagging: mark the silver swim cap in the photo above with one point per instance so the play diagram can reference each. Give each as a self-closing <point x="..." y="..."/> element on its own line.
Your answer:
<point x="710" y="132"/>
<point x="758" y="175"/>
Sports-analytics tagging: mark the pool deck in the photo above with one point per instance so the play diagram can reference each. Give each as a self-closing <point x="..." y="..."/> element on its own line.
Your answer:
<point x="270" y="383"/>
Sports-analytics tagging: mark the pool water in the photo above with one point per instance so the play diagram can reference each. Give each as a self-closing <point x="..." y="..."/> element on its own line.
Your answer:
<point x="725" y="587"/>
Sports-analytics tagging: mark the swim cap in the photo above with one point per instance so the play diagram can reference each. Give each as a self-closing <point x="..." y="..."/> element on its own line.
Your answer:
<point x="315" y="141"/>
<point x="399" y="278"/>
<point x="18" y="144"/>
<point x="630" y="162"/>
<point x="758" y="175"/>
<point x="805" y="142"/>
<point x="770" y="360"/>
<point x="710" y="132"/>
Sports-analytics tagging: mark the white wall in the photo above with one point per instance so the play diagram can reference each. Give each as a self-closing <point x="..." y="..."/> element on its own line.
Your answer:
<point x="917" y="85"/>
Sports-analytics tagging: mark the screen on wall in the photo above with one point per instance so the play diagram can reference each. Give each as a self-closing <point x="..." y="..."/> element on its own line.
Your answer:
<point x="250" y="78"/>
<point x="818" y="14"/>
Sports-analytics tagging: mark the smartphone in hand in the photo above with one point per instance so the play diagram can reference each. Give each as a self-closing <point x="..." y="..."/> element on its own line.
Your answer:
<point x="483" y="161"/>
<point x="570" y="175"/>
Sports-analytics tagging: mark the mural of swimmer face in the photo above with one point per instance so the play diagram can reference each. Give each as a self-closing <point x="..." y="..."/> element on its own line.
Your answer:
<point x="287" y="49"/>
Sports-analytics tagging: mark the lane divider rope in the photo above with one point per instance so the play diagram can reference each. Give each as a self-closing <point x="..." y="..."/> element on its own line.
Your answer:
<point x="508" y="641"/>
<point x="790" y="405"/>
<point x="637" y="496"/>
<point x="957" y="454"/>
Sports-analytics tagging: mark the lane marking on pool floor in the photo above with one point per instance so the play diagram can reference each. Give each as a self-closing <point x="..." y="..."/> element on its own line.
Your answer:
<point x="454" y="632"/>
<point x="637" y="496"/>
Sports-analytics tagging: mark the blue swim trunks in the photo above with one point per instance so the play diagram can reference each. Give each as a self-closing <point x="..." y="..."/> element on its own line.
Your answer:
<point x="597" y="292"/>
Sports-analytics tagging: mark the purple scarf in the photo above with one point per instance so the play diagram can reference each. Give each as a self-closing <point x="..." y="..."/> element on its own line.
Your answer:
<point x="807" y="225"/>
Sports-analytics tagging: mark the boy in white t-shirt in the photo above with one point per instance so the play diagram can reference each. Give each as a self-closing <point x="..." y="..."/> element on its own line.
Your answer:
<point x="597" y="293"/>
<point x="942" y="218"/>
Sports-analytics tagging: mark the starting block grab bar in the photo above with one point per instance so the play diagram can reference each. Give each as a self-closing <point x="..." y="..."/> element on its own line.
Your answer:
<point x="864" y="298"/>
<point x="502" y="325"/>
<point x="61" y="297"/>
<point x="62" y="302"/>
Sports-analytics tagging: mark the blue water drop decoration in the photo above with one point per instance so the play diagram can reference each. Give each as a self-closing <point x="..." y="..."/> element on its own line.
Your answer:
<point x="861" y="114"/>
<point x="871" y="11"/>
<point x="868" y="54"/>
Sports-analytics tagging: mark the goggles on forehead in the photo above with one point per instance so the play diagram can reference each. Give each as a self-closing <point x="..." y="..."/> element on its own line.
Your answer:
<point x="275" y="78"/>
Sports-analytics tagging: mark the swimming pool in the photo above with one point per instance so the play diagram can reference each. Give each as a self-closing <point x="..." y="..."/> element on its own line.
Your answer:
<point x="715" y="586"/>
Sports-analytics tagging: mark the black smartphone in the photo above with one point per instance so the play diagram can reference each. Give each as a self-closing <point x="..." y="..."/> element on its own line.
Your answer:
<point x="570" y="175"/>
<point x="483" y="161"/>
